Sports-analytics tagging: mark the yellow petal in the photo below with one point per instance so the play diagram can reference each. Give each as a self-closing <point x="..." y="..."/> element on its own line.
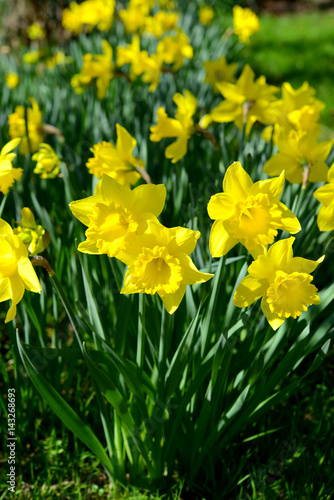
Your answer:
<point x="5" y="289"/>
<point x="10" y="146"/>
<point x="249" y="290"/>
<point x="88" y="246"/>
<point x="27" y="218"/>
<point x="177" y="150"/>
<point x="125" y="142"/>
<point x="172" y="301"/>
<point x="325" y="194"/>
<point x="149" y="198"/>
<point x="272" y="187"/>
<point x="318" y="172"/>
<point x="237" y="182"/>
<point x="83" y="209"/>
<point x="262" y="268"/>
<point x="220" y="241"/>
<point x="301" y="265"/>
<point x="280" y="253"/>
<point x="330" y="176"/>
<point x="28" y="275"/>
<point x="191" y="275"/>
<point x="17" y="291"/>
<point x="220" y="206"/>
<point x="290" y="222"/>
<point x="183" y="240"/>
<point x="273" y="319"/>
<point x="325" y="218"/>
<point x="5" y="228"/>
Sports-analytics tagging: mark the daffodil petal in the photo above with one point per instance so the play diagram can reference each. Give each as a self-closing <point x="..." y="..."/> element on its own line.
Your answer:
<point x="112" y="191"/>
<point x="280" y="253"/>
<point x="149" y="198"/>
<point x="289" y="221"/>
<point x="301" y="265"/>
<point x="29" y="276"/>
<point x="249" y="290"/>
<point x="82" y="209"/>
<point x="10" y="146"/>
<point x="17" y="291"/>
<point x="220" y="206"/>
<point x="272" y="187"/>
<point x="88" y="246"/>
<point x="237" y="183"/>
<point x="5" y="289"/>
<point x="177" y="150"/>
<point x="325" y="218"/>
<point x="273" y="319"/>
<point x="191" y="275"/>
<point x="125" y="142"/>
<point x="172" y="301"/>
<point x="183" y="240"/>
<point x="220" y="241"/>
<point x="5" y="228"/>
<point x="325" y="194"/>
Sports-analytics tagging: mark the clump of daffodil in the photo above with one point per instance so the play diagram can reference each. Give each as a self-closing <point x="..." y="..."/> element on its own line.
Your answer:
<point x="16" y="271"/>
<point x="57" y="59"/>
<point x="246" y="101"/>
<point x="297" y="110"/>
<point x="88" y="15"/>
<point x="245" y="23"/>
<point x="131" y="54"/>
<point x="47" y="162"/>
<point x="135" y="15"/>
<point x="206" y="15"/>
<point x="248" y="213"/>
<point x="161" y="22"/>
<point x="33" y="235"/>
<point x="219" y="71"/>
<point x="96" y="66"/>
<point x="182" y="126"/>
<point x="116" y="161"/>
<point x="115" y="213"/>
<point x="158" y="262"/>
<point x="8" y="174"/>
<point x="17" y="127"/>
<point x="325" y="195"/>
<point x="301" y="156"/>
<point x="282" y="280"/>
<point x="35" y="32"/>
<point x="12" y="80"/>
<point x="174" y="49"/>
<point x="34" y="56"/>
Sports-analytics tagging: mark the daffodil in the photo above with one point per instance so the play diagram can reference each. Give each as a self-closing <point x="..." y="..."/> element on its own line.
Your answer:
<point x="47" y="162"/>
<point x="115" y="213"/>
<point x="245" y="23"/>
<point x="12" y="80"/>
<point x="89" y="14"/>
<point x="96" y="66"/>
<point x="159" y="262"/>
<point x="219" y="71"/>
<point x="248" y="213"/>
<point x="17" y="127"/>
<point x="8" y="174"/>
<point x="182" y="126"/>
<point x="325" y="195"/>
<point x="282" y="280"/>
<point x="131" y="54"/>
<point x="57" y="59"/>
<point x="206" y="15"/>
<point x="116" y="161"/>
<point x="35" y="32"/>
<point x="246" y="101"/>
<point x="16" y="271"/>
<point x="33" y="57"/>
<point x="33" y="235"/>
<point x="152" y="67"/>
<point x="174" y="49"/>
<point x="134" y="17"/>
<point x="301" y="156"/>
<point x="297" y="110"/>
<point x="161" y="22"/>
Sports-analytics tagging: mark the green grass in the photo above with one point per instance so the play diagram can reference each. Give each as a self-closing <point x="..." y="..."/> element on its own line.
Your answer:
<point x="296" y="48"/>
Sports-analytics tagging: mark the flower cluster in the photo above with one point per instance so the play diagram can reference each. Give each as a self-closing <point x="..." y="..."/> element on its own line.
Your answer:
<point x="89" y="14"/>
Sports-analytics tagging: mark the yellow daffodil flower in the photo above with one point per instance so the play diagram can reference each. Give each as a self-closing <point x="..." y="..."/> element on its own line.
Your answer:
<point x="248" y="213"/>
<point x="8" y="174"/>
<point x="89" y="14"/>
<point x="12" y="80"/>
<point x="325" y="195"/>
<point x="16" y="271"/>
<point x="245" y="23"/>
<point x="161" y="22"/>
<point x="301" y="156"/>
<point x="17" y="127"/>
<point x="282" y="280"/>
<point x="115" y="213"/>
<point x="47" y="162"/>
<point x="131" y="54"/>
<point x="33" y="57"/>
<point x="219" y="71"/>
<point x="33" y="236"/>
<point x="182" y="126"/>
<point x="152" y="67"/>
<point x="206" y="15"/>
<point x="159" y="263"/>
<point x="246" y="102"/>
<point x="297" y="110"/>
<point x="134" y="19"/>
<point x="99" y="66"/>
<point x="174" y="49"/>
<point x="116" y="161"/>
<point x="57" y="59"/>
<point x="35" y="32"/>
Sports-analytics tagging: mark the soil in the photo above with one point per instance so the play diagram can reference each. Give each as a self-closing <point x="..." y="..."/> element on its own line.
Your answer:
<point x="281" y="7"/>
